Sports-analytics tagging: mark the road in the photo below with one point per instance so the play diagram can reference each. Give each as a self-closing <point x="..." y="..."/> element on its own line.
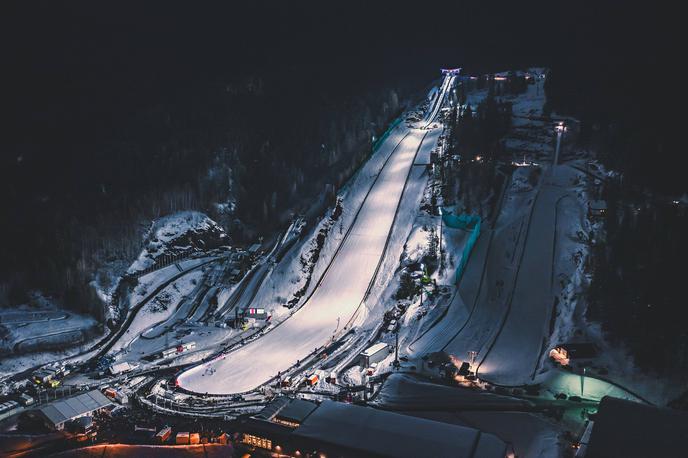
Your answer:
<point x="112" y="339"/>
<point x="339" y="294"/>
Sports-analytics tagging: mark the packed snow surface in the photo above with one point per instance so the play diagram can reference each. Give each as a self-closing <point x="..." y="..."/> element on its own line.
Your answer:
<point x="335" y="301"/>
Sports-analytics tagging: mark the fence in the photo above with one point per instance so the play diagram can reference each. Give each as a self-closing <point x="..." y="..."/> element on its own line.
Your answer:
<point x="50" y="395"/>
<point x="387" y="133"/>
<point x="164" y="261"/>
<point x="463" y="221"/>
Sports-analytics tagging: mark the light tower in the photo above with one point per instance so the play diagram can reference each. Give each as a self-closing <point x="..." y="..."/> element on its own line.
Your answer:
<point x="559" y="128"/>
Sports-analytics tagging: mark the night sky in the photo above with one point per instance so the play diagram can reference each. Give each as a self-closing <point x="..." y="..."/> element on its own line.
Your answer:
<point x="63" y="46"/>
<point x="74" y="72"/>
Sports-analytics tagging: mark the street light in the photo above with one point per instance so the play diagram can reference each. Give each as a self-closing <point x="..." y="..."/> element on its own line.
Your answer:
<point x="559" y="128"/>
<point x="440" y="210"/>
<point x="396" y="346"/>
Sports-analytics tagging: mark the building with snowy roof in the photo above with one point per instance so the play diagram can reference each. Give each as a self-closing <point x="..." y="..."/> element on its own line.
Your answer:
<point x="58" y="413"/>
<point x="341" y="429"/>
<point x="597" y="208"/>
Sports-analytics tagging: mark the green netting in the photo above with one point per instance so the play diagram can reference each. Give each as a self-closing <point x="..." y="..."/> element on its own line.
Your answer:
<point x="384" y="136"/>
<point x="463" y="221"/>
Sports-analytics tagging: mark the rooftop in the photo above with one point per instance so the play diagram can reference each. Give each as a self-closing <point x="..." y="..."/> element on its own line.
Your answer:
<point x="66" y="409"/>
<point x="296" y="411"/>
<point x="292" y="410"/>
<point x="374" y="349"/>
<point x="369" y="431"/>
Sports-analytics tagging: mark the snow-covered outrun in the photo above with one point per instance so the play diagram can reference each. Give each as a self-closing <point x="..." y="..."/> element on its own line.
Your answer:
<point x="341" y="291"/>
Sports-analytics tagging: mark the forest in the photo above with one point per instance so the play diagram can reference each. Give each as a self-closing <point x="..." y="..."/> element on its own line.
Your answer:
<point x="104" y="135"/>
<point x="629" y="122"/>
<point x="115" y="115"/>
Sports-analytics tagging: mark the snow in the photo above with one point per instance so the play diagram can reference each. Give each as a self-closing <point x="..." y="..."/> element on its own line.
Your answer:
<point x="34" y="324"/>
<point x="154" y="312"/>
<point x="165" y="231"/>
<point x="149" y="282"/>
<point x="473" y="312"/>
<point x="334" y="303"/>
<point x="505" y="315"/>
<point x="289" y="275"/>
<point x="27" y="330"/>
<point x="510" y="360"/>
<point x="447" y="83"/>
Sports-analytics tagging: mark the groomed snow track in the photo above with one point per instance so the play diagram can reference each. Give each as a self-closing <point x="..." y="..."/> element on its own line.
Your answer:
<point x="340" y="293"/>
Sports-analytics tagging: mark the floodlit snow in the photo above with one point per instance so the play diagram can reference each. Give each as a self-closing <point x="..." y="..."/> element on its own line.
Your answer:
<point x="335" y="301"/>
<point x="447" y="83"/>
<point x="513" y="358"/>
<point x="289" y="275"/>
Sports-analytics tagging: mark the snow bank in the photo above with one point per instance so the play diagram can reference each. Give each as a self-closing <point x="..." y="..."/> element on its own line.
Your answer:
<point x="180" y="233"/>
<point x="159" y="309"/>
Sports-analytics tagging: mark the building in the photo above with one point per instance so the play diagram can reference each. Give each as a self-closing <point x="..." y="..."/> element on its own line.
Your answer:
<point x="121" y="368"/>
<point x="58" y="413"/>
<point x="374" y="354"/>
<point x="288" y="412"/>
<point x="630" y="429"/>
<point x="340" y="429"/>
<point x="566" y="352"/>
<point x="256" y="313"/>
<point x="597" y="208"/>
<point x="274" y="424"/>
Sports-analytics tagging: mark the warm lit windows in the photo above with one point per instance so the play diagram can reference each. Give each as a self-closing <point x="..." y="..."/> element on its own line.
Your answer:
<point x="256" y="441"/>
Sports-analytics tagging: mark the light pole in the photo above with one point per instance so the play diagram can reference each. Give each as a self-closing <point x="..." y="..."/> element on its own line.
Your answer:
<point x="560" y="128"/>
<point x="472" y="355"/>
<point x="440" y="210"/>
<point x="396" y="346"/>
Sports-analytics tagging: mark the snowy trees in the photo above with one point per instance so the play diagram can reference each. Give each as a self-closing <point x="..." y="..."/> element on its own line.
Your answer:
<point x="637" y="279"/>
<point x="254" y="143"/>
<point x="432" y="252"/>
<point x="407" y="286"/>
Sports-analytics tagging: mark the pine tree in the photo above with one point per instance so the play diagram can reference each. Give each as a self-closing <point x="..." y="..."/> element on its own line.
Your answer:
<point x="407" y="287"/>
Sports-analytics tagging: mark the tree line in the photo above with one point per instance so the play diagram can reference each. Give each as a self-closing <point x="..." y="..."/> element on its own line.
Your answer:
<point x="250" y="151"/>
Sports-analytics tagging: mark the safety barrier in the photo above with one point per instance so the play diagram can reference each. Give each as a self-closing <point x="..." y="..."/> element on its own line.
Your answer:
<point x="463" y="221"/>
<point x="384" y="136"/>
<point x="164" y="261"/>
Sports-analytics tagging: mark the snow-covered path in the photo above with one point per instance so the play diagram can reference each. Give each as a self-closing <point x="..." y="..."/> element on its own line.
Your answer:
<point x="447" y="84"/>
<point x="476" y="309"/>
<point x="513" y="358"/>
<point x="335" y="301"/>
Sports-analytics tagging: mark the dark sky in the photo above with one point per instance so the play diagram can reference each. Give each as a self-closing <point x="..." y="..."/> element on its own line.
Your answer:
<point x="98" y="54"/>
<point x="81" y="82"/>
<point x="79" y="39"/>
